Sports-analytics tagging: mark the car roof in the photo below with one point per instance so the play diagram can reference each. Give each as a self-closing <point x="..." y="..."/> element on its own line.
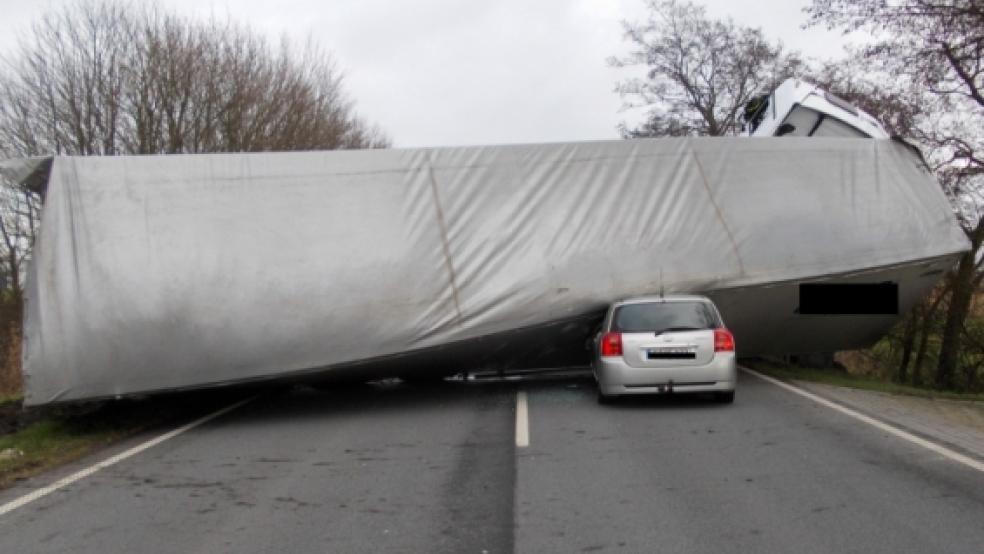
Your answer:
<point x="663" y="298"/>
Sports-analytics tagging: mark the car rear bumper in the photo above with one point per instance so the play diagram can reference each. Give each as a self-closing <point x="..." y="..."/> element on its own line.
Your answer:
<point x="616" y="378"/>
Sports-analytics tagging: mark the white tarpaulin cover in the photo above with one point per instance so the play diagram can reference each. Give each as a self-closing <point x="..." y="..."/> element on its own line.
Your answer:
<point x="163" y="272"/>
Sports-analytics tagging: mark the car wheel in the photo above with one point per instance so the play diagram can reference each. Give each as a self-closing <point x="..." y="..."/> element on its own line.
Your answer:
<point x="725" y="397"/>
<point x="605" y="398"/>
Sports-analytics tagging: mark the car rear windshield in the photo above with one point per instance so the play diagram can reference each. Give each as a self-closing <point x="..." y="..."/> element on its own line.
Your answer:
<point x="664" y="316"/>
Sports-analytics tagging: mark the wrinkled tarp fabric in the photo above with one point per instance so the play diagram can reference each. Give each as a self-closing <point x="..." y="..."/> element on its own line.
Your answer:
<point x="161" y="272"/>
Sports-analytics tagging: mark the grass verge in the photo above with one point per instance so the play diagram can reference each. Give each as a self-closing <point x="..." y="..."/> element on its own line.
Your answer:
<point x="6" y="399"/>
<point x="49" y="443"/>
<point x="786" y="372"/>
<point x="53" y="437"/>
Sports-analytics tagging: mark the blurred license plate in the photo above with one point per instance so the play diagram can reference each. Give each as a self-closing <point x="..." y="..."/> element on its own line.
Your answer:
<point x="676" y="353"/>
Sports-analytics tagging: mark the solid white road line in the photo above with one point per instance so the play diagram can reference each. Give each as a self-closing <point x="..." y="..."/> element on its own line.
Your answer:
<point x="82" y="474"/>
<point x="941" y="450"/>
<point x="522" y="420"/>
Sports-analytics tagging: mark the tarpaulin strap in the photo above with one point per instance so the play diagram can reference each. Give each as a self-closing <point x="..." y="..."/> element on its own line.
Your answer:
<point x="717" y="210"/>
<point x="445" y="246"/>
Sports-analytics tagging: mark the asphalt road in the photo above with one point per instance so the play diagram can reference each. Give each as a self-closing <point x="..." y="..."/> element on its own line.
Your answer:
<point x="435" y="469"/>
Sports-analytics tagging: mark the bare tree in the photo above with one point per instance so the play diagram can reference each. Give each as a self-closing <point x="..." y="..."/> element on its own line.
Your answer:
<point x="899" y="107"/>
<point x="934" y="49"/>
<point x="700" y="72"/>
<point x="19" y="219"/>
<point x="113" y="78"/>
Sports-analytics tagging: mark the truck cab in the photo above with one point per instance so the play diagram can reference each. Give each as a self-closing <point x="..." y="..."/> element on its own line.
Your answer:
<point x="799" y="109"/>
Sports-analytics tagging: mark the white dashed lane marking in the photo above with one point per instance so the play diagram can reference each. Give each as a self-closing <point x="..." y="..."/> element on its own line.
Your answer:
<point x="522" y="420"/>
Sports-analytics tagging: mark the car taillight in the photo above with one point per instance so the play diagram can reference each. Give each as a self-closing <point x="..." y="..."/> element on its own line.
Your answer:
<point x="724" y="341"/>
<point x="611" y="344"/>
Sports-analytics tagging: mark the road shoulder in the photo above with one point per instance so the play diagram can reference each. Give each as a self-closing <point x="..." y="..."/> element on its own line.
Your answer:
<point x="957" y="424"/>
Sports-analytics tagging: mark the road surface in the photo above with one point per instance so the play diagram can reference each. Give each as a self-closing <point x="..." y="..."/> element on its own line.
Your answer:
<point x="399" y="468"/>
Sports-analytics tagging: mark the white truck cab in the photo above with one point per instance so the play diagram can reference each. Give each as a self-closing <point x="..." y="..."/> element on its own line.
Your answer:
<point x="799" y="109"/>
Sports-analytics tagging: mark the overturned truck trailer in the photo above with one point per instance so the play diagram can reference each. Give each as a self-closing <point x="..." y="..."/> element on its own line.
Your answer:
<point x="156" y="273"/>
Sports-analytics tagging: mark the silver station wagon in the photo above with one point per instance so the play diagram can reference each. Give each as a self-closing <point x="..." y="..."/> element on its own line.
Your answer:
<point x="664" y="344"/>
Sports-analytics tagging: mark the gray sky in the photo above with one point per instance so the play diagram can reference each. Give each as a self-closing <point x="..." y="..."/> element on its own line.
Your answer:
<point x="449" y="72"/>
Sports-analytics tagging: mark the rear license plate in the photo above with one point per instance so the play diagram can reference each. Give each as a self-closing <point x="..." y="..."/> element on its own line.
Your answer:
<point x="670" y="354"/>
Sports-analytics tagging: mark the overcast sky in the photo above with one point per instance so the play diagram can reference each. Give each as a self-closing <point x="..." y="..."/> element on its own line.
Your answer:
<point x="450" y="72"/>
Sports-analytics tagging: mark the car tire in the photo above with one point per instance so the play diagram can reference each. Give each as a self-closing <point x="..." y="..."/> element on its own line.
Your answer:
<point x="605" y="399"/>
<point x="725" y="397"/>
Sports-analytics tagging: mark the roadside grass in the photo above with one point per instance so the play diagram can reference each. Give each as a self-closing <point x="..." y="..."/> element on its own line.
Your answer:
<point x="49" y="443"/>
<point x="786" y="372"/>
<point x="55" y="436"/>
<point x="10" y="399"/>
